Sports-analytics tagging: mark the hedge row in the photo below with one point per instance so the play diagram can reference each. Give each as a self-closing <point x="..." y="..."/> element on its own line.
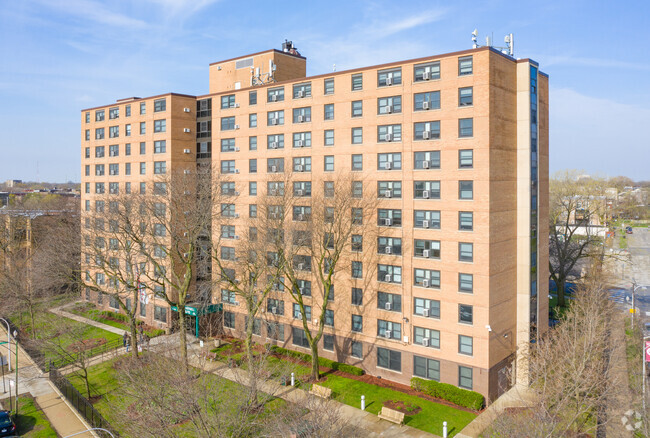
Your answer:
<point x="355" y="371"/>
<point x="125" y="319"/>
<point x="451" y="393"/>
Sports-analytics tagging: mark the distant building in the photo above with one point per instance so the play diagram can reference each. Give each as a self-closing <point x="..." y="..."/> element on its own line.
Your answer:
<point x="13" y="182"/>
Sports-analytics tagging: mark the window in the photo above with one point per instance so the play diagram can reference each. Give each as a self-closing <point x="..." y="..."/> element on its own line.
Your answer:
<point x="357" y="108"/>
<point x="87" y="167"/>
<point x="465" y="345"/>
<point x="389" y="329"/>
<point x="252" y="120"/>
<point x="252" y="143"/>
<point x="275" y="330"/>
<point x="357" y="162"/>
<point x="426" y="160"/>
<point x="426" y="337"/>
<point x="426" y="368"/>
<point x="357" y="82"/>
<point x="357" y="323"/>
<point x="426" y="101"/>
<point x="302" y="139"/>
<point x="465" y="252"/>
<point x="275" y="165"/>
<point x="426" y="278"/>
<point x="113" y="169"/>
<point x="356" y="349"/>
<point x="127" y="110"/>
<point x="159" y="147"/>
<point x="389" y="105"/>
<point x="143" y="148"/>
<point x="389" y="77"/>
<point x="275" y="141"/>
<point x="427" y="308"/>
<point x="227" y="166"/>
<point x="99" y="134"/>
<point x="143" y="108"/>
<point x="204" y="129"/>
<point x="389" y="218"/>
<point x="303" y="288"/>
<point x="329" y="318"/>
<point x="465" y="189"/>
<point x="388" y="133"/>
<point x="465" y="66"/>
<point x="465" y="159"/>
<point x="228" y="210"/>
<point x="426" y="130"/>
<point x="426" y="189"/>
<point x="426" y="72"/>
<point x="252" y="210"/>
<point x="299" y="337"/>
<point x="113" y="150"/>
<point x="228" y="101"/>
<point x="328" y="189"/>
<point x="357" y="189"/>
<point x="87" y="153"/>
<point x="329" y="137"/>
<point x="357" y="269"/>
<point x="127" y="130"/>
<point x="87" y="134"/>
<point x="143" y="168"/>
<point x="389" y="245"/>
<point x="159" y="167"/>
<point x="227" y="123"/>
<point x="329" y="86"/>
<point x="302" y="90"/>
<point x="357" y="135"/>
<point x="252" y="97"/>
<point x="99" y="188"/>
<point x="160" y="313"/>
<point x="328" y="342"/>
<point x="275" y="188"/>
<point x="391" y="161"/>
<point x="465" y="377"/>
<point x="160" y="125"/>
<point x="465" y="314"/>
<point x="228" y="296"/>
<point x="328" y="163"/>
<point x="143" y="188"/>
<point x="127" y="149"/>
<point x="99" y="115"/>
<point x="159" y="105"/>
<point x="301" y="115"/>
<point x="465" y="220"/>
<point x="465" y="282"/>
<point x="301" y="213"/>
<point x="99" y="169"/>
<point x="275" y="306"/>
<point x="87" y="190"/>
<point x="275" y="94"/>
<point x="227" y="253"/>
<point x="252" y="188"/>
<point x="300" y="188"/>
<point x="87" y="115"/>
<point x="465" y="127"/>
<point x="357" y="296"/>
<point x="466" y="96"/>
<point x="228" y="231"/>
<point x="275" y="118"/>
<point x="252" y="165"/>
<point x="386" y="301"/>
<point x="329" y="111"/>
<point x="429" y="249"/>
<point x="227" y="145"/>
<point x="389" y="359"/>
<point x="229" y="320"/>
<point x="389" y="274"/>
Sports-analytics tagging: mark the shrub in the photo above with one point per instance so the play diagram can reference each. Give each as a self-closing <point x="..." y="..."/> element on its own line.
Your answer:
<point x="355" y="371"/>
<point x="451" y="393"/>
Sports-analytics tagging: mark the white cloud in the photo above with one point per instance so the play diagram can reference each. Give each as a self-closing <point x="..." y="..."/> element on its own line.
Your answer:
<point x="181" y="9"/>
<point x="598" y="135"/>
<point x="93" y="11"/>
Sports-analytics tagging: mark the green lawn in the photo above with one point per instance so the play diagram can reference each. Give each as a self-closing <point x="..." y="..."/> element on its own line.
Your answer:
<point x="622" y="242"/>
<point x="31" y="421"/>
<point x="557" y="310"/>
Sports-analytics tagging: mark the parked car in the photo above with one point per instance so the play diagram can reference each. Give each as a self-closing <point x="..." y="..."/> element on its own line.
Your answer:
<point x="7" y="426"/>
<point x="646" y="329"/>
<point x="628" y="230"/>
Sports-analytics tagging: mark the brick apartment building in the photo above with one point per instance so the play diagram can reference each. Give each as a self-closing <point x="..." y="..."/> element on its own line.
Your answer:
<point x="457" y="148"/>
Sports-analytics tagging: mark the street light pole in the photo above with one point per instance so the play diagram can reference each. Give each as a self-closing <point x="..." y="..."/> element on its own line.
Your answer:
<point x="644" y="359"/>
<point x="8" y="342"/>
<point x="88" y="430"/>
<point x="16" y="341"/>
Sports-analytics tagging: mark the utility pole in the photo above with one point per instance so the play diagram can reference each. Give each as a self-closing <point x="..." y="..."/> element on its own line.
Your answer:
<point x="16" y="341"/>
<point x="644" y="356"/>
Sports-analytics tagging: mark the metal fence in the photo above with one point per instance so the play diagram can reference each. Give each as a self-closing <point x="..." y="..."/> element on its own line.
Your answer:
<point x="108" y="348"/>
<point x="80" y="403"/>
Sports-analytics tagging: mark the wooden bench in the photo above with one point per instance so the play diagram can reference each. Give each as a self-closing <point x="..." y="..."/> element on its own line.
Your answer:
<point x="320" y="391"/>
<point x="391" y="415"/>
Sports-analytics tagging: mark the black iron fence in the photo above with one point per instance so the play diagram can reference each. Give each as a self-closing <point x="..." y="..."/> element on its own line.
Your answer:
<point x="108" y="348"/>
<point x="80" y="403"/>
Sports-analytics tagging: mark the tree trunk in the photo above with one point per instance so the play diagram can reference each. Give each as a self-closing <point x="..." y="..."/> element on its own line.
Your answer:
<point x="561" y="302"/>
<point x="248" y="343"/>
<point x="87" y="383"/>
<point x="315" y="370"/>
<point x="181" y="333"/>
<point x="31" y="318"/>
<point x="134" y="339"/>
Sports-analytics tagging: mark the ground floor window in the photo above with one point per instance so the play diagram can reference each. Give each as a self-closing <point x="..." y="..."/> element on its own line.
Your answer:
<point x="357" y="349"/>
<point x="275" y="330"/>
<point x="465" y="377"/>
<point x="390" y="359"/>
<point x="229" y="320"/>
<point x="113" y="302"/>
<point x="299" y="337"/>
<point x="257" y="326"/>
<point x="143" y="309"/>
<point x="426" y="368"/>
<point x="87" y="294"/>
<point x="328" y="342"/>
<point x="160" y="313"/>
<point x="100" y="297"/>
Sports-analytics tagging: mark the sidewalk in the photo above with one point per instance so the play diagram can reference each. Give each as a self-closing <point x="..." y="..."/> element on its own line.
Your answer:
<point x="622" y="400"/>
<point x="64" y="419"/>
<point x="59" y="311"/>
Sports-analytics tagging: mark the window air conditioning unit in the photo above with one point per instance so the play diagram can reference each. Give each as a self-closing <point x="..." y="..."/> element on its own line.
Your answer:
<point x="274" y="97"/>
<point x="389" y="109"/>
<point x="235" y="193"/>
<point x="274" y="121"/>
<point x="387" y="306"/>
<point x="236" y="149"/>
<point x="426" y="253"/>
<point x="234" y="105"/>
<point x="388" y="194"/>
<point x="425" y="194"/>
<point x="425" y="283"/>
<point x="274" y="168"/>
<point x="236" y="170"/>
<point x="186" y="130"/>
<point x="426" y="135"/>
<point x="301" y="217"/>
<point x="186" y="254"/>
<point x="236" y="126"/>
<point x="186" y="151"/>
<point x="236" y="237"/>
<point x="300" y="192"/>
<point x="301" y="266"/>
<point x="301" y="93"/>
<point x="426" y="75"/>
<point x="299" y="315"/>
<point x="388" y="165"/>
<point x="301" y="143"/>
<point x="426" y="164"/>
<point x="186" y="172"/>
<point x="389" y="81"/>
<point x="274" y="145"/>
<point x="187" y="110"/>
<point x="425" y="342"/>
<point x="273" y="192"/>
<point x="236" y="216"/>
<point x="388" y="278"/>
<point x="388" y="222"/>
<point x="185" y="234"/>
<point x="387" y="334"/>
<point x="425" y="105"/>
<point x="274" y="310"/>
<point x="425" y="224"/>
<point x="299" y="167"/>
<point x="301" y="119"/>
<point x="388" y="137"/>
<point x="425" y="312"/>
<point x="388" y="250"/>
<point x="236" y="303"/>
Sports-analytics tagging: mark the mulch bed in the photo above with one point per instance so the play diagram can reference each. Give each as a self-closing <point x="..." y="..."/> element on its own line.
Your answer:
<point x="403" y="407"/>
<point x="87" y="344"/>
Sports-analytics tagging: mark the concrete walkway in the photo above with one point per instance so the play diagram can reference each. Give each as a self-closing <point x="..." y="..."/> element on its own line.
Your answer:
<point x="63" y="417"/>
<point x="59" y="311"/>
<point x="622" y="400"/>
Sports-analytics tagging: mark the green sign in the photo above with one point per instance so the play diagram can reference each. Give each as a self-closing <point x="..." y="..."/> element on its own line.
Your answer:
<point x="203" y="310"/>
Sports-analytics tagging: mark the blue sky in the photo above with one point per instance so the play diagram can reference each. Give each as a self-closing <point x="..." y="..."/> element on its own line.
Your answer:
<point x="60" y="56"/>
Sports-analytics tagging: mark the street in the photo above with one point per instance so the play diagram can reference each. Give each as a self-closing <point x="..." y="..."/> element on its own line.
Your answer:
<point x="635" y="270"/>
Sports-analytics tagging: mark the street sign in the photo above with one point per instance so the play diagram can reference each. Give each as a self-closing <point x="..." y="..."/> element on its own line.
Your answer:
<point x="647" y="351"/>
<point x="632" y="311"/>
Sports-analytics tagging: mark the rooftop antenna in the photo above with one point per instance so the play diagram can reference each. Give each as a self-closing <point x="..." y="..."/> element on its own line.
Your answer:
<point x="474" y="36"/>
<point x="334" y="67"/>
<point x="509" y="49"/>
